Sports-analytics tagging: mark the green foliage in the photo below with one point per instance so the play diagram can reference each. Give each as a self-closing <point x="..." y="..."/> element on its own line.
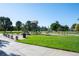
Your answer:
<point x="70" y="43"/>
<point x="63" y="28"/>
<point x="73" y="26"/>
<point x="34" y="25"/>
<point x="77" y="27"/>
<point x="55" y="26"/>
<point x="43" y="28"/>
<point x="28" y="26"/>
<point x="31" y="26"/>
<point x="18" y="25"/>
<point x="5" y="23"/>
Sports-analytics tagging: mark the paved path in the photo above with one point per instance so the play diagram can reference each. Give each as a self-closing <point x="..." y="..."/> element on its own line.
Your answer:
<point x="9" y="47"/>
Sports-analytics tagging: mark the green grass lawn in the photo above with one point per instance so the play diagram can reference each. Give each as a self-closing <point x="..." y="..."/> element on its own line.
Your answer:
<point x="70" y="43"/>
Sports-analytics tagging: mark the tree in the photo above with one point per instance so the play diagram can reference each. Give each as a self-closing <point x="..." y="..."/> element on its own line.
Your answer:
<point x="31" y="26"/>
<point x="63" y="28"/>
<point x="43" y="28"/>
<point x="66" y="28"/>
<point x="77" y="27"/>
<point x="55" y="26"/>
<point x="8" y="24"/>
<point x="34" y="25"/>
<point x="18" y="25"/>
<point x="5" y="23"/>
<point x="73" y="26"/>
<point x="38" y="28"/>
<point x="23" y="28"/>
<point x="28" y="25"/>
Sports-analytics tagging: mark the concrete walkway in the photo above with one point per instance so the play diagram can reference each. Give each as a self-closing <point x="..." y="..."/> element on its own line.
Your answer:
<point x="9" y="47"/>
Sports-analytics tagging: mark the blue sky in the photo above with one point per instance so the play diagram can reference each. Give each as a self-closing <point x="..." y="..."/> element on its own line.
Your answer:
<point x="46" y="14"/>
